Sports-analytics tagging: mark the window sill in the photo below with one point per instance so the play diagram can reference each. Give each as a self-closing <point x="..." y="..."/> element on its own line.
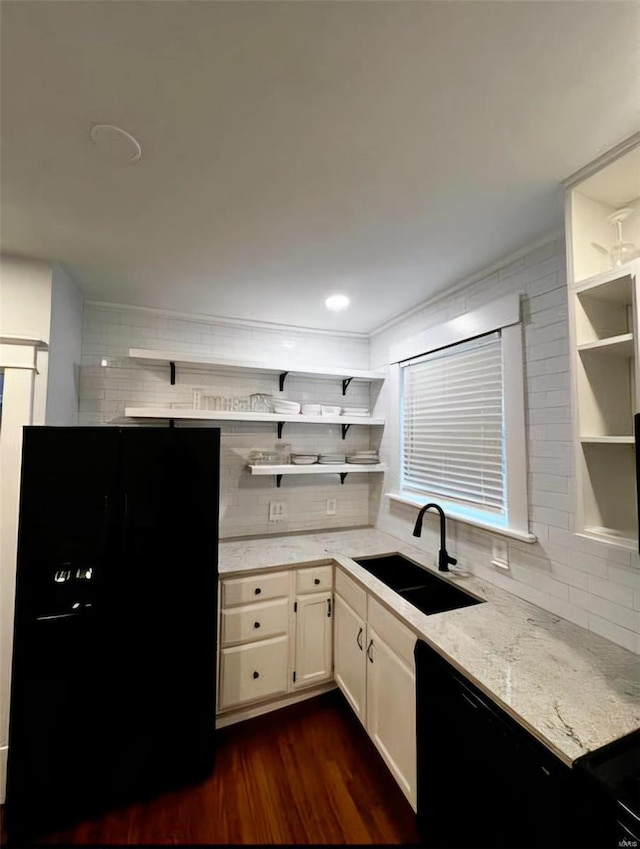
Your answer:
<point x="457" y="516"/>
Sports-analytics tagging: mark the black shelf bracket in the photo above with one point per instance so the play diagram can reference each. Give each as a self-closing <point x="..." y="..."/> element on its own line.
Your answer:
<point x="172" y="368"/>
<point x="343" y="476"/>
<point x="345" y="384"/>
<point x="345" y="428"/>
<point x="172" y="422"/>
<point x="282" y="379"/>
<point x="280" y="426"/>
<point x="278" y="480"/>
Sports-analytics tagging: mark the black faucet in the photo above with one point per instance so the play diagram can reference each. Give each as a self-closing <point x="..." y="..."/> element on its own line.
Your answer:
<point x="443" y="557"/>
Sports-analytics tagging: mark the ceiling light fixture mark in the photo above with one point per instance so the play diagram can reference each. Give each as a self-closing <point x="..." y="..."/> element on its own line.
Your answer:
<point x="115" y="143"/>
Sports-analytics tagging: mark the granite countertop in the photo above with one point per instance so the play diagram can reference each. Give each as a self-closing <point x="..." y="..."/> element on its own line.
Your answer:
<point x="572" y="689"/>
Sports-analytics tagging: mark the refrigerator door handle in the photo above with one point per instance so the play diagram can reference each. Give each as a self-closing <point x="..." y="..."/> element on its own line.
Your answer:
<point x="126" y="519"/>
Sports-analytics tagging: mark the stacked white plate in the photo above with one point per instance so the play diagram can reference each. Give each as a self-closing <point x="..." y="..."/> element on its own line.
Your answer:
<point x="331" y="459"/>
<point x="304" y="459"/>
<point x="355" y="411"/>
<point x="329" y="410"/>
<point x="363" y="458"/>
<point x="311" y="409"/>
<point x="289" y="408"/>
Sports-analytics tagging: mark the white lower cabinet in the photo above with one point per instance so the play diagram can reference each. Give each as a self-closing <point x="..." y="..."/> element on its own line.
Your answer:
<point x="314" y="639"/>
<point x="378" y="680"/>
<point x="391" y="712"/>
<point x="282" y="633"/>
<point x="348" y="656"/>
<point x="276" y="635"/>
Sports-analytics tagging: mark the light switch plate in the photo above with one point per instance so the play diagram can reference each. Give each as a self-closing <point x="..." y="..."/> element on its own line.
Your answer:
<point x="331" y="507"/>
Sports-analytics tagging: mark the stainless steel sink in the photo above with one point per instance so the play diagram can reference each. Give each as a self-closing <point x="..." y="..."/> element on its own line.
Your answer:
<point x="424" y="590"/>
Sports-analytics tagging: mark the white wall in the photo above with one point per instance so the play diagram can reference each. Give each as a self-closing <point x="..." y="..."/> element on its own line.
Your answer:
<point x="244" y="504"/>
<point x="65" y="350"/>
<point x="594" y="585"/>
<point x="25" y="311"/>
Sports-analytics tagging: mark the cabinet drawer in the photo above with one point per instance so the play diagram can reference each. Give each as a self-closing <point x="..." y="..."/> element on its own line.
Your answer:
<point x="354" y="595"/>
<point x="255" y="588"/>
<point x="253" y="671"/>
<point x="395" y="634"/>
<point x="255" y="621"/>
<point x="314" y="579"/>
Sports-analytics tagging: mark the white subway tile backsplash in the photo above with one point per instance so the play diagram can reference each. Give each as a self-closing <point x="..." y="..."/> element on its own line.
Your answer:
<point x="594" y="585"/>
<point x="625" y="617"/>
<point x="614" y="592"/>
<point x="611" y="630"/>
<point x="104" y="393"/>
<point x="589" y="583"/>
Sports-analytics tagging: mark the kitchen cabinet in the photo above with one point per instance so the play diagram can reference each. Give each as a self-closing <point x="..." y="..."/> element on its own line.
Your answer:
<point x="276" y="635"/>
<point x="603" y="322"/>
<point x="254" y="638"/>
<point x="350" y="670"/>
<point x="374" y="668"/>
<point x="314" y="639"/>
<point x="313" y="657"/>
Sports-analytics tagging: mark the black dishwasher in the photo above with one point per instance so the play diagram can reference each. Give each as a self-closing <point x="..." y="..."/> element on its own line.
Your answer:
<point x="482" y="780"/>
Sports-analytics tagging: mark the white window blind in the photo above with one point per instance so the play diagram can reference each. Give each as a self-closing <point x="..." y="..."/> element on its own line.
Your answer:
<point x="453" y="423"/>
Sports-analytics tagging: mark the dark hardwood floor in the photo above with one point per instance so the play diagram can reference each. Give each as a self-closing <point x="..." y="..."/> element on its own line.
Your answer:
<point x="307" y="774"/>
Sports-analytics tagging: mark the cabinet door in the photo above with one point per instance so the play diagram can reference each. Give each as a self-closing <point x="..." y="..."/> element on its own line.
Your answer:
<point x="391" y="711"/>
<point x="349" y="656"/>
<point x="313" y="639"/>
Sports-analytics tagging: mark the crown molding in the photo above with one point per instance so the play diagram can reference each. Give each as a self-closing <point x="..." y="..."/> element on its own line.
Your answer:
<point x="470" y="280"/>
<point x="223" y="321"/>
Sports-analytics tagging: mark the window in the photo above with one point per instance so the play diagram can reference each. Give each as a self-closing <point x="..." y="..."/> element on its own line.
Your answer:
<point x="461" y="439"/>
<point x="453" y="424"/>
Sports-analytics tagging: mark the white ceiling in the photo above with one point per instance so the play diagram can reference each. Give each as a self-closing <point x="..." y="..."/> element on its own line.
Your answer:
<point x="296" y="149"/>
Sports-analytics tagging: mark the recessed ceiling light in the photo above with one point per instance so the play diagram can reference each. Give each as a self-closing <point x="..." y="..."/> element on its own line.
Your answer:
<point x="337" y="302"/>
<point x="115" y="144"/>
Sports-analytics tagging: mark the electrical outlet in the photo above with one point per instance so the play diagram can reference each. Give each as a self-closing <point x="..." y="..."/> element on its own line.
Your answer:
<point x="331" y="507"/>
<point x="277" y="511"/>
<point x="501" y="554"/>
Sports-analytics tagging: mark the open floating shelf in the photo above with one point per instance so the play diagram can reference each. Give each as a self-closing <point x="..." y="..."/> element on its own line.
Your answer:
<point x="343" y="469"/>
<point x="175" y="358"/>
<point x="168" y="413"/>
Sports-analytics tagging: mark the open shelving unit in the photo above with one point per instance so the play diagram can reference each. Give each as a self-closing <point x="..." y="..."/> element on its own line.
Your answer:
<point x="168" y="413"/>
<point x="604" y="327"/>
<point x="343" y="469"/>
<point x="282" y="370"/>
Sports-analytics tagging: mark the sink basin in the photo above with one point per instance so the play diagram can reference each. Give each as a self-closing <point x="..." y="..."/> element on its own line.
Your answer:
<point x="424" y="590"/>
<point x="437" y="599"/>
<point x="395" y="571"/>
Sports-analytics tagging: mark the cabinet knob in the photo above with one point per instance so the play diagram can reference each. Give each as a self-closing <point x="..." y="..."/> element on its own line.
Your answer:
<point x="257" y="591"/>
<point x="256" y="674"/>
<point x="256" y="624"/>
<point x="316" y="580"/>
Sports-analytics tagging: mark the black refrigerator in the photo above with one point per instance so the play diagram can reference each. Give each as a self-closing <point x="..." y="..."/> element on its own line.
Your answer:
<point x="114" y="655"/>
